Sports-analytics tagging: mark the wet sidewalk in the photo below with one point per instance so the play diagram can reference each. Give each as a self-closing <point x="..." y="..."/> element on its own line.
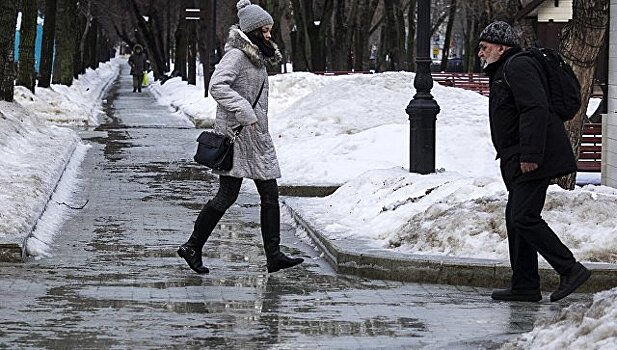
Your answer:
<point x="114" y="280"/>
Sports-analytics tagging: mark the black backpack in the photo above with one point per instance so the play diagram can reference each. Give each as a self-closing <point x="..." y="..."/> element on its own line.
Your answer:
<point x="564" y="90"/>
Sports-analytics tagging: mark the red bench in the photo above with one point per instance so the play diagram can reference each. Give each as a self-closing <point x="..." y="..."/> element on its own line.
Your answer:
<point x="590" y="151"/>
<point x="469" y="81"/>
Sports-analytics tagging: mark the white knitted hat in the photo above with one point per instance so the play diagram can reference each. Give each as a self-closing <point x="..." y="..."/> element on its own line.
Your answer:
<point x="252" y="16"/>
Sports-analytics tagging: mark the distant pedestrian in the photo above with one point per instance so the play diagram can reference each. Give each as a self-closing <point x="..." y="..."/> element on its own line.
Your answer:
<point x="533" y="147"/>
<point x="138" y="62"/>
<point x="238" y="81"/>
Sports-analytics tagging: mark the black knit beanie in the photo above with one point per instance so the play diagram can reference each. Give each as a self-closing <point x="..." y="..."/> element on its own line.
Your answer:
<point x="500" y="32"/>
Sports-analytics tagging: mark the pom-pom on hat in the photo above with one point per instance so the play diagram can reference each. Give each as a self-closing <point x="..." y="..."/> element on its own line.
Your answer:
<point x="500" y="32"/>
<point x="252" y="16"/>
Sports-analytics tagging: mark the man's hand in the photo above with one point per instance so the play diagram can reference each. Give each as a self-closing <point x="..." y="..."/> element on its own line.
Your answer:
<point x="528" y="167"/>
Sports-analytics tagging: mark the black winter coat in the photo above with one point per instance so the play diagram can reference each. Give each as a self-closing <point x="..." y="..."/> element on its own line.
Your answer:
<point x="522" y="127"/>
<point x="137" y="61"/>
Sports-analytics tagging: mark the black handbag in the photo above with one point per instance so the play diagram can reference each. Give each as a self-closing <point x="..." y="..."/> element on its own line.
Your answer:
<point x="216" y="151"/>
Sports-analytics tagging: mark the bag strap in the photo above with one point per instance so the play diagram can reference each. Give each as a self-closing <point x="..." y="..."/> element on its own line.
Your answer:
<point x="505" y="67"/>
<point x="259" y="94"/>
<point x="238" y="129"/>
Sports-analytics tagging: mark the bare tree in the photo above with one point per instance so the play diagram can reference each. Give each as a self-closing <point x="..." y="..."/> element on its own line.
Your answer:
<point x="181" y="46"/>
<point x="25" y="73"/>
<point x="363" y="30"/>
<point x="8" y="19"/>
<point x="66" y="44"/>
<point x="411" y="35"/>
<point x="47" y="49"/>
<point x="313" y="25"/>
<point x="448" y="38"/>
<point x="581" y="41"/>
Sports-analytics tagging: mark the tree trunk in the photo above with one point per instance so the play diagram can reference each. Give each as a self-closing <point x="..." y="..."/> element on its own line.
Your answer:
<point x="277" y="10"/>
<point x="389" y="29"/>
<point x="180" y="64"/>
<point x="340" y="46"/>
<point x="207" y="31"/>
<point x="8" y="19"/>
<point x="66" y="44"/>
<point x="299" y="39"/>
<point x="529" y="37"/>
<point x="411" y="35"/>
<point x="191" y="52"/>
<point x="581" y="41"/>
<point x="366" y="12"/>
<point x="91" y="45"/>
<point x="49" y="37"/>
<point x="401" y="55"/>
<point x="448" y="38"/>
<point x="26" y="75"/>
<point x="147" y="34"/>
<point x="85" y="22"/>
<point x="157" y="29"/>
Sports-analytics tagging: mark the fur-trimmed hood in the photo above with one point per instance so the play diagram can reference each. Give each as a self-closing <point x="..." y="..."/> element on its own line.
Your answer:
<point x="239" y="40"/>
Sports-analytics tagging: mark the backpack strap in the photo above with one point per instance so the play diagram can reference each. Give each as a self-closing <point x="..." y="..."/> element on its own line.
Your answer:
<point x="505" y="66"/>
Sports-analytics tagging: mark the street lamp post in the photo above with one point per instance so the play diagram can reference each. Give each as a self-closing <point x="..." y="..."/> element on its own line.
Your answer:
<point x="423" y="109"/>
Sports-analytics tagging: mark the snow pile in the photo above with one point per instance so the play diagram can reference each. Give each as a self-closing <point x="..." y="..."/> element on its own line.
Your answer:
<point x="577" y="327"/>
<point x="32" y="157"/>
<point x="455" y="215"/>
<point x="186" y="98"/>
<point x="358" y="123"/>
<point x="79" y="105"/>
<point x="34" y="154"/>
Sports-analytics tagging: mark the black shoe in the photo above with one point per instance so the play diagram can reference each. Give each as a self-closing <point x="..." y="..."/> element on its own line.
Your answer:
<point x="282" y="261"/>
<point x="517" y="295"/>
<point x="193" y="258"/>
<point x="570" y="281"/>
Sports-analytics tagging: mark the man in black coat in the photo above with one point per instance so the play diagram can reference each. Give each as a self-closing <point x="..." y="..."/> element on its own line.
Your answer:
<point x="533" y="147"/>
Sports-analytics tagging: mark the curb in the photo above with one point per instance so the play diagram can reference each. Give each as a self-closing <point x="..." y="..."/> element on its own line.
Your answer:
<point x="13" y="249"/>
<point x="358" y="257"/>
<point x="306" y="191"/>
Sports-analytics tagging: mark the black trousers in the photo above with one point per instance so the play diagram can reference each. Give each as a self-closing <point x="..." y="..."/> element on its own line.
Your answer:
<point x="529" y="234"/>
<point x="137" y="81"/>
<point x="229" y="188"/>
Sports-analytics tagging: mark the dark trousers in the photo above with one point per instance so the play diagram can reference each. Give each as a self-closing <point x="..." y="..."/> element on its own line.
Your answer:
<point x="229" y="188"/>
<point x="137" y="81"/>
<point x="529" y="234"/>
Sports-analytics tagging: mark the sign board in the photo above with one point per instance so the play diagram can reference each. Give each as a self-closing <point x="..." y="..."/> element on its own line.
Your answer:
<point x="192" y="14"/>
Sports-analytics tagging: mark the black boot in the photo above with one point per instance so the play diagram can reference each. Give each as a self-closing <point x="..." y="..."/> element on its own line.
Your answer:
<point x="531" y="295"/>
<point x="271" y="233"/>
<point x="204" y="225"/>
<point x="568" y="283"/>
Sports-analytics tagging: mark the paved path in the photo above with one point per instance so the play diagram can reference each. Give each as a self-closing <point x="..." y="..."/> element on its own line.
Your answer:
<point x="114" y="280"/>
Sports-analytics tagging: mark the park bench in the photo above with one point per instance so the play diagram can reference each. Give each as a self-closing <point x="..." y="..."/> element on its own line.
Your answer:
<point x="469" y="81"/>
<point x="590" y="151"/>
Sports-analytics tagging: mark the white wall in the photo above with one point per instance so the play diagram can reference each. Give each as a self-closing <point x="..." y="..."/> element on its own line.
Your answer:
<point x="609" y="121"/>
<point x="547" y="11"/>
